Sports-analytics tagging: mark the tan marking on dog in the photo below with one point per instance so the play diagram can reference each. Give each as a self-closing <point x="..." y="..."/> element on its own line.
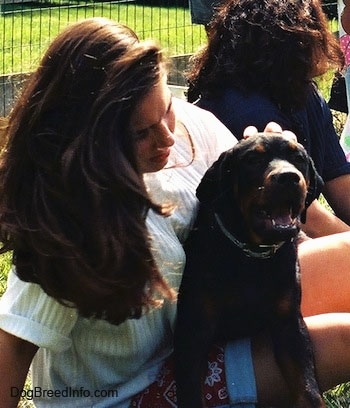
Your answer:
<point x="284" y="306"/>
<point x="260" y="148"/>
<point x="293" y="145"/>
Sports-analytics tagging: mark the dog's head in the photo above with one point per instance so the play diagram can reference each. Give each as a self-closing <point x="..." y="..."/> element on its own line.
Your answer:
<point x="270" y="178"/>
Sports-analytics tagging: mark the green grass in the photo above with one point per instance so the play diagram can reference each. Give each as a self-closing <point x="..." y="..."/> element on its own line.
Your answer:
<point x="26" y="34"/>
<point x="5" y="265"/>
<point x="338" y="397"/>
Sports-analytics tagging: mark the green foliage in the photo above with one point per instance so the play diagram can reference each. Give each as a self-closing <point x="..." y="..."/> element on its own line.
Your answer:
<point x="338" y="397"/>
<point x="5" y="265"/>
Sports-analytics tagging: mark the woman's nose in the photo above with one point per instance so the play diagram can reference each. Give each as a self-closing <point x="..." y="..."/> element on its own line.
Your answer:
<point x="164" y="137"/>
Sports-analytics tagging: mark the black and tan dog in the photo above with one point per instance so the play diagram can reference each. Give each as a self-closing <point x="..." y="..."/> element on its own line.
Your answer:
<point x="241" y="274"/>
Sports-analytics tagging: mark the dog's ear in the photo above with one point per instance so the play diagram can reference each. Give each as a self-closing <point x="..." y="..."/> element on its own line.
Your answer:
<point x="316" y="184"/>
<point x="218" y="178"/>
<point x="315" y="187"/>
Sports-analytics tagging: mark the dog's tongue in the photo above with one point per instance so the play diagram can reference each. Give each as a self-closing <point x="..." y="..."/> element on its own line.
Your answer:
<point x="282" y="220"/>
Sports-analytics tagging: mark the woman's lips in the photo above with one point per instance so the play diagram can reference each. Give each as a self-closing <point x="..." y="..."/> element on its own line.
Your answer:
<point x="161" y="157"/>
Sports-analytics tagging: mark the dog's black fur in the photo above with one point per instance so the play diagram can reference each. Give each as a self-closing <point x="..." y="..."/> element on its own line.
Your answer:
<point x="241" y="274"/>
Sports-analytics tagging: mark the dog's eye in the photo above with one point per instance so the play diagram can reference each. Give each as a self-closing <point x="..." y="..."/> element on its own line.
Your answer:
<point x="299" y="157"/>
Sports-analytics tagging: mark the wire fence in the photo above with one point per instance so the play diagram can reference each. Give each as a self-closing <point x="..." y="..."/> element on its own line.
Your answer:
<point x="27" y="28"/>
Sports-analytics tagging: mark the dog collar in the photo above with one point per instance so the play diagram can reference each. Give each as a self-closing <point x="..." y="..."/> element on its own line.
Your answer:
<point x="263" y="252"/>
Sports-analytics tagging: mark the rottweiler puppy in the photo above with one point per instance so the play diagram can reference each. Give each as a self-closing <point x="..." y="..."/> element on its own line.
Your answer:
<point x="241" y="275"/>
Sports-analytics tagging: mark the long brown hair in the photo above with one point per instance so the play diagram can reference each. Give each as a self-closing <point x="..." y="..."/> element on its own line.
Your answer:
<point x="274" y="47"/>
<point x="72" y="201"/>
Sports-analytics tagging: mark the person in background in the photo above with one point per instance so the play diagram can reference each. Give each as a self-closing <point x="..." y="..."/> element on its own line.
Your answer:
<point x="202" y="11"/>
<point x="258" y="66"/>
<point x="97" y="196"/>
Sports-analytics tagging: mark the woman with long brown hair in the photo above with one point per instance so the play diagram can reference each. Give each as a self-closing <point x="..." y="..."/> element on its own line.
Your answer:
<point x="97" y="254"/>
<point x="69" y="179"/>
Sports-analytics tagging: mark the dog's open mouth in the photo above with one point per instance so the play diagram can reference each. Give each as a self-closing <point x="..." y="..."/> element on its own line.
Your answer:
<point x="277" y="223"/>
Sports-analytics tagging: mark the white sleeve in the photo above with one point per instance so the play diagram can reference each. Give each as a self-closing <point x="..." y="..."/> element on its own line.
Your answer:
<point x="27" y="312"/>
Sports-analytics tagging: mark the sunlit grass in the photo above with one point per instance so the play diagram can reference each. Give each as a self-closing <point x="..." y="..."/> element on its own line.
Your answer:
<point x="26" y="35"/>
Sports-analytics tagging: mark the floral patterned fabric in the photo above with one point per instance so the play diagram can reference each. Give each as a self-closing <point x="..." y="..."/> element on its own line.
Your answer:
<point x="162" y="393"/>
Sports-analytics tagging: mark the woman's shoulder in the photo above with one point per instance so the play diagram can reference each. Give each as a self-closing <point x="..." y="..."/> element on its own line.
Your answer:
<point x="317" y="106"/>
<point x="187" y="111"/>
<point x="205" y="129"/>
<point x="195" y="113"/>
<point x="238" y="109"/>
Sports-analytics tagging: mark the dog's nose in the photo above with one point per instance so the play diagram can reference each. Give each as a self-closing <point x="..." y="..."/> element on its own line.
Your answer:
<point x="286" y="178"/>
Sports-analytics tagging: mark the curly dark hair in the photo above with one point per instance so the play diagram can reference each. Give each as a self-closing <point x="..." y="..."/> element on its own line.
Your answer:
<point x="274" y="47"/>
<point x="72" y="201"/>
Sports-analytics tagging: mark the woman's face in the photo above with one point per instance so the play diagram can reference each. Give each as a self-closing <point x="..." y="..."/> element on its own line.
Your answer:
<point x="153" y="122"/>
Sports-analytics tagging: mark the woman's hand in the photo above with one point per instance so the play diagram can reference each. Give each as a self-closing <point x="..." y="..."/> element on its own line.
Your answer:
<point x="271" y="127"/>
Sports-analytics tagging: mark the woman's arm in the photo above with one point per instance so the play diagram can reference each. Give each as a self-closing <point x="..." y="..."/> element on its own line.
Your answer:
<point x="330" y="336"/>
<point x="320" y="221"/>
<point x="337" y="194"/>
<point x="16" y="356"/>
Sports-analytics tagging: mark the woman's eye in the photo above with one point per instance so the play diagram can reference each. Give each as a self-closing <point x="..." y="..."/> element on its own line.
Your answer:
<point x="141" y="134"/>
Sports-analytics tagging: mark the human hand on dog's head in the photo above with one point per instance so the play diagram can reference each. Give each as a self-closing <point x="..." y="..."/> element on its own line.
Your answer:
<point x="271" y="127"/>
<point x="222" y="177"/>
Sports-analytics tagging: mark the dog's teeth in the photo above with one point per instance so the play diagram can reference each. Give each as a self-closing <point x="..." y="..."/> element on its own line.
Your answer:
<point x="281" y="226"/>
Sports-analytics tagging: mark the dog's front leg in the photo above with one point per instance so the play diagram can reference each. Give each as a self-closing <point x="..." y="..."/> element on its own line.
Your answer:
<point x="192" y="340"/>
<point x="190" y="366"/>
<point x="294" y="354"/>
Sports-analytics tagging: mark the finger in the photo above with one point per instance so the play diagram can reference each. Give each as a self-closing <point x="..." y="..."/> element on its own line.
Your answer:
<point x="249" y="131"/>
<point x="289" y="135"/>
<point x="273" y="127"/>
